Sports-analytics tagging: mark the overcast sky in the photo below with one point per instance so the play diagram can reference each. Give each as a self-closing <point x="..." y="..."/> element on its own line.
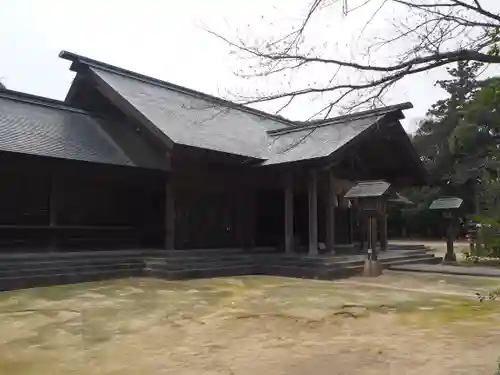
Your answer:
<point x="163" y="39"/>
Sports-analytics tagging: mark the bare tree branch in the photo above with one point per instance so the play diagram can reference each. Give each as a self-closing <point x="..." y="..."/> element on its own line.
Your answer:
<point x="435" y="33"/>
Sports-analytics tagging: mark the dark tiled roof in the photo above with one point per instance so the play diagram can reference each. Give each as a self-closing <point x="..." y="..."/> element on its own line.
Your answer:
<point x="191" y="118"/>
<point x="446" y="203"/>
<point x="192" y="121"/>
<point x="354" y="115"/>
<point x="315" y="142"/>
<point x="44" y="127"/>
<point x="369" y="189"/>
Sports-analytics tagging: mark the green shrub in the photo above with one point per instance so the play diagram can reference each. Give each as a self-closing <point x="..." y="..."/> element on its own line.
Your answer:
<point x="487" y="244"/>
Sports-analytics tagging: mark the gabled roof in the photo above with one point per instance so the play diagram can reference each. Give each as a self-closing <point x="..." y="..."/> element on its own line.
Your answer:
<point x="369" y="189"/>
<point x="302" y="125"/>
<point x="314" y="142"/>
<point x="188" y="117"/>
<point x="191" y="118"/>
<point x="44" y="127"/>
<point x="446" y="203"/>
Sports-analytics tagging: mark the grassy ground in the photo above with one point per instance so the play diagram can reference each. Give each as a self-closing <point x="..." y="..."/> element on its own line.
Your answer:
<point x="398" y="323"/>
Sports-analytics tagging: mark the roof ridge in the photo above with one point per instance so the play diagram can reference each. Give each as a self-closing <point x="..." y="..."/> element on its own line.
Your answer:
<point x="78" y="59"/>
<point x="372" y="111"/>
<point x="40" y="100"/>
<point x="338" y="119"/>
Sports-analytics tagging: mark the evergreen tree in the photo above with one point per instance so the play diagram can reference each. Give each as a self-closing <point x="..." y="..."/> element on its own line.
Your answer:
<point x="450" y="159"/>
<point x="448" y="141"/>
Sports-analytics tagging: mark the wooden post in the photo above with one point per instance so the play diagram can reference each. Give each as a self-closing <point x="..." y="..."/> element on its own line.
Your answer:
<point x="246" y="221"/>
<point x="169" y="217"/>
<point x="372" y="266"/>
<point x="362" y="231"/>
<point x="373" y="237"/>
<point x="289" y="235"/>
<point x="351" y="225"/>
<point x="330" y="214"/>
<point x="251" y="219"/>
<point x="450" y="234"/>
<point x="313" y="214"/>
<point x="53" y="213"/>
<point x="383" y="232"/>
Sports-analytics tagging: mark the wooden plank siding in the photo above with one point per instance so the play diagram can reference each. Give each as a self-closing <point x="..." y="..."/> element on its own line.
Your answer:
<point x="95" y="207"/>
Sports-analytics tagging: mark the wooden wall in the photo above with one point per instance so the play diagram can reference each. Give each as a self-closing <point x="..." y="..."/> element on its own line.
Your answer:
<point x="49" y="204"/>
<point x="213" y="206"/>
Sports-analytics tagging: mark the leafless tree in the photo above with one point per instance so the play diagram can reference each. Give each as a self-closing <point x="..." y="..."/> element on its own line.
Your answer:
<point x="427" y="35"/>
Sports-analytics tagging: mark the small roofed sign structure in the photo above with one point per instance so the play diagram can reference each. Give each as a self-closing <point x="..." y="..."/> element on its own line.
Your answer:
<point x="450" y="207"/>
<point x="446" y="203"/>
<point x="368" y="189"/>
<point x="373" y="197"/>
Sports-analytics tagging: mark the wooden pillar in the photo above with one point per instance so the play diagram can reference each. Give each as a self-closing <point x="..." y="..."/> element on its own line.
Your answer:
<point x="351" y="224"/>
<point x="330" y="214"/>
<point x="383" y="233"/>
<point x="251" y="219"/>
<point x="289" y="233"/>
<point x="53" y="213"/>
<point x="362" y="231"/>
<point x="169" y="217"/>
<point x="450" y="255"/>
<point x="313" y="213"/>
<point x="372" y="230"/>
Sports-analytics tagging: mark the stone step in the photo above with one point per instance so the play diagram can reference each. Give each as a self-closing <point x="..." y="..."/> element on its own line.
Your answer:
<point x="204" y="272"/>
<point x="393" y="246"/>
<point x="29" y="270"/>
<point x="190" y="266"/>
<point x="389" y="253"/>
<point x="346" y="263"/>
<point x="65" y="263"/>
<point x="322" y="274"/>
<point x="14" y="257"/>
<point x="193" y="253"/>
<point x="55" y="269"/>
<point x="11" y="283"/>
<point x="430" y="259"/>
<point x="449" y="269"/>
<point x="194" y="260"/>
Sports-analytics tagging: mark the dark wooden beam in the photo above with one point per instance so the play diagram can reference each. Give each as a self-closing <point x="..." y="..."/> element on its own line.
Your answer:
<point x="169" y="216"/>
<point x="289" y="233"/>
<point x="313" y="213"/>
<point x="372" y="229"/>
<point x="330" y="213"/>
<point x="250" y="219"/>
<point x="53" y="212"/>
<point x="383" y="232"/>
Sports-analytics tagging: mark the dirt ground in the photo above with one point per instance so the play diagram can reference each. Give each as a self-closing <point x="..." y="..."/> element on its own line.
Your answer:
<point x="396" y="324"/>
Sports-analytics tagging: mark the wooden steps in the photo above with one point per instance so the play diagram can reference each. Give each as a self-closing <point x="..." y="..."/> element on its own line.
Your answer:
<point x="39" y="269"/>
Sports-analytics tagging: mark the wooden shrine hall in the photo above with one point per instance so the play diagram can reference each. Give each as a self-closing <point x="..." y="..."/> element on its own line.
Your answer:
<point x="129" y="161"/>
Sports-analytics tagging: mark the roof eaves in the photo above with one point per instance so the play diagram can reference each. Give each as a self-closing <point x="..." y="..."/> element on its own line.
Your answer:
<point x="344" y="118"/>
<point x="77" y="59"/>
<point x="39" y="100"/>
<point x="311" y="126"/>
<point x="373" y="111"/>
